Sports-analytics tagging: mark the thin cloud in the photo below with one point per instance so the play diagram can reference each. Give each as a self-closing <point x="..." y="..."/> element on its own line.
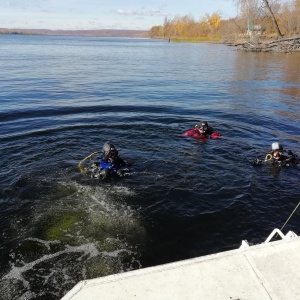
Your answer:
<point x="150" y="12"/>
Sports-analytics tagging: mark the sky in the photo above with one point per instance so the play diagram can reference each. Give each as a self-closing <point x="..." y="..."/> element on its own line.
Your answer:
<point x="111" y="14"/>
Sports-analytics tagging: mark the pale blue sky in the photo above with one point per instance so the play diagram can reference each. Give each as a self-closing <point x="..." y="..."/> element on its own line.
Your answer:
<point x="97" y="14"/>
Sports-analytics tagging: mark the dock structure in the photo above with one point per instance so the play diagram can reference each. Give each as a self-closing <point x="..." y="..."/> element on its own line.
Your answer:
<point x="260" y="272"/>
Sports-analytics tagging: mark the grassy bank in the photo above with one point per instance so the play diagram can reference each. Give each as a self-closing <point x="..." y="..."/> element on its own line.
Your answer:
<point x="196" y="40"/>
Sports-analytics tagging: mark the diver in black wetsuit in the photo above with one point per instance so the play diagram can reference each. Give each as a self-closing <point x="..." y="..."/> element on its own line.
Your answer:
<point x="109" y="164"/>
<point x="276" y="156"/>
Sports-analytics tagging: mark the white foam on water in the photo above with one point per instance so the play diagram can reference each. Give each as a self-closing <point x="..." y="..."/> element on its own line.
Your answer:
<point x="45" y="243"/>
<point x="88" y="251"/>
<point x="104" y="209"/>
<point x="116" y="253"/>
<point x="16" y="272"/>
<point x="122" y="190"/>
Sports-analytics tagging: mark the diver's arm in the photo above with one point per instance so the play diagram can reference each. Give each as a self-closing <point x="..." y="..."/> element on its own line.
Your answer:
<point x="290" y="159"/>
<point x="122" y="162"/>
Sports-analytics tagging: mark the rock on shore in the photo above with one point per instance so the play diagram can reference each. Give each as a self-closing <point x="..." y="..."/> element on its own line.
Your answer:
<point x="282" y="45"/>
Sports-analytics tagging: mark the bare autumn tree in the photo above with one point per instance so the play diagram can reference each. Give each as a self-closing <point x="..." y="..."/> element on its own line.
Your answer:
<point x="244" y="3"/>
<point x="273" y="18"/>
<point x="290" y="17"/>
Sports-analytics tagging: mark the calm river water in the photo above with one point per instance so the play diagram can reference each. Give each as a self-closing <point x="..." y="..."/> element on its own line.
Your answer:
<point x="63" y="97"/>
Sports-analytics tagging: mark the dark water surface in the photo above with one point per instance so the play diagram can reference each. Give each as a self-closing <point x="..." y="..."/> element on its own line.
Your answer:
<point x="63" y="97"/>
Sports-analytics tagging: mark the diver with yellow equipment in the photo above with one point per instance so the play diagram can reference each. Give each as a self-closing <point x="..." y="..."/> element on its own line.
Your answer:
<point x="277" y="156"/>
<point x="110" y="164"/>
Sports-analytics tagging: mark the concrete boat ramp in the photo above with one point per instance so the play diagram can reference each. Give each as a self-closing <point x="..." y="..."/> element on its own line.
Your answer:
<point x="266" y="271"/>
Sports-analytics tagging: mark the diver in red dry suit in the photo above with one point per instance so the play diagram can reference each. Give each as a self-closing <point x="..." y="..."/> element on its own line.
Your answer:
<point x="201" y="131"/>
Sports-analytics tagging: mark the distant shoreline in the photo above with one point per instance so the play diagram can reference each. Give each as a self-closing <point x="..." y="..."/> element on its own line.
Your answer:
<point x="95" y="33"/>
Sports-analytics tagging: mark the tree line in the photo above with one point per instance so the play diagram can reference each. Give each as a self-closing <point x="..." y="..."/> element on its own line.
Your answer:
<point x="270" y="18"/>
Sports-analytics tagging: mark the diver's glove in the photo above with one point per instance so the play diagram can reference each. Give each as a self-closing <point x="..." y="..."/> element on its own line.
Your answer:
<point x="293" y="156"/>
<point x="120" y="173"/>
<point x="104" y="174"/>
<point x="257" y="162"/>
<point x="289" y="152"/>
<point x="123" y="172"/>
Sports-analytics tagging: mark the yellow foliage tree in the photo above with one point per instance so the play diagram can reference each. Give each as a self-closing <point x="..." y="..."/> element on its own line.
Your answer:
<point x="214" y="20"/>
<point x="212" y="27"/>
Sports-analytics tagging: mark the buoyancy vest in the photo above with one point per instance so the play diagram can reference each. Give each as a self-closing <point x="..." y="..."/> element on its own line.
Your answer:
<point x="104" y="164"/>
<point x="113" y="165"/>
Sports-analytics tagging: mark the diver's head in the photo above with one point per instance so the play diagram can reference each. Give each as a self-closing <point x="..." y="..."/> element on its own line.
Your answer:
<point x="276" y="150"/>
<point x="204" y="124"/>
<point x="109" y="149"/>
<point x="202" y="127"/>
